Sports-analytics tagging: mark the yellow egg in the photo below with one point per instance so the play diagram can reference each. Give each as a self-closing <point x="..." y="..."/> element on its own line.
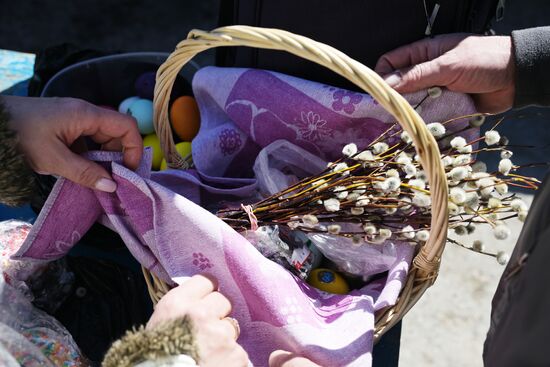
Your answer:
<point x="163" y="165"/>
<point x="184" y="149"/>
<point x="153" y="141"/>
<point x="328" y="281"/>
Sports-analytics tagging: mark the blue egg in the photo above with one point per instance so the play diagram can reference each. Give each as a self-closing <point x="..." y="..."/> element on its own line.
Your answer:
<point x="142" y="111"/>
<point x="124" y="105"/>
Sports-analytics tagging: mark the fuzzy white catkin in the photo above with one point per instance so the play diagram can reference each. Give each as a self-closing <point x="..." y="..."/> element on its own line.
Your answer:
<point x="466" y="150"/>
<point x="310" y="220"/>
<point x="423" y="235"/>
<point x="357" y="210"/>
<point x="381" y="185"/>
<point x="405" y="202"/>
<point x="341" y="192"/>
<point x="506" y="154"/>
<point x="486" y="186"/>
<point x="522" y="215"/>
<point x="458" y="173"/>
<point x="447" y="161"/>
<point x="479" y="166"/>
<point x="340" y="167"/>
<point x="385" y="232"/>
<point x="332" y="205"/>
<point x="393" y="183"/>
<point x="365" y="156"/>
<point x="458" y="142"/>
<point x="477" y="121"/>
<point x="418" y="183"/>
<point x="518" y="205"/>
<point x="408" y="232"/>
<point x="409" y="169"/>
<point x="334" y="228"/>
<point x="362" y="201"/>
<point x="392" y="173"/>
<point x="453" y="208"/>
<point x="403" y="158"/>
<point x="369" y="228"/>
<point x="435" y="92"/>
<point x="349" y="150"/>
<point x="492" y="137"/>
<point x="379" y="148"/>
<point x="461" y="230"/>
<point x="472" y="200"/>
<point x="501" y="188"/>
<point x="505" y="166"/>
<point x="462" y="160"/>
<point x="501" y="232"/>
<point x="494" y="203"/>
<point x="478" y="246"/>
<point x="406" y="137"/>
<point x="421" y="200"/>
<point x="436" y="129"/>
<point x="502" y="258"/>
<point x="457" y="195"/>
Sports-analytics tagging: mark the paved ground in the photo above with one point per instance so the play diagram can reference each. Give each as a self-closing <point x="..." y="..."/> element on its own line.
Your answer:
<point x="448" y="325"/>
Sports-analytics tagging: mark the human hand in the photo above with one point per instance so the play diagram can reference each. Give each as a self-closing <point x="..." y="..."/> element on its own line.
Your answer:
<point x="281" y="358"/>
<point x="48" y="127"/>
<point x="480" y="65"/>
<point x="216" y="334"/>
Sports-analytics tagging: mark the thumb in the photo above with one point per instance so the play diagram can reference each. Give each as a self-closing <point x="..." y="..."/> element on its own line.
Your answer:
<point x="421" y="76"/>
<point x="84" y="172"/>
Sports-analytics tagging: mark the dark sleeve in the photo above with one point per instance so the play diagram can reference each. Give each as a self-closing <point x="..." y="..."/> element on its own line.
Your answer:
<point x="532" y="56"/>
<point x="17" y="181"/>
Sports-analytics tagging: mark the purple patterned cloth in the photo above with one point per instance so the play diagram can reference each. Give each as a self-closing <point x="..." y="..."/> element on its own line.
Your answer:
<point x="162" y="217"/>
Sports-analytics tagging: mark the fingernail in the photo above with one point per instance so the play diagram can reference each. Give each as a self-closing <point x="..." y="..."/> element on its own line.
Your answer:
<point x="104" y="184"/>
<point x="393" y="79"/>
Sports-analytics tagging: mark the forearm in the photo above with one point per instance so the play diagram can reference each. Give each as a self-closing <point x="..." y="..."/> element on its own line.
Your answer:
<point x="17" y="181"/>
<point x="532" y="57"/>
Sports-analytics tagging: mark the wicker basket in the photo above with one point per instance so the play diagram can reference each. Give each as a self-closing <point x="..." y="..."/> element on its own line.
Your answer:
<point x="425" y="266"/>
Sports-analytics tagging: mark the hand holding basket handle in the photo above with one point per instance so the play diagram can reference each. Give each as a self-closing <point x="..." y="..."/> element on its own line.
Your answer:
<point x="426" y="263"/>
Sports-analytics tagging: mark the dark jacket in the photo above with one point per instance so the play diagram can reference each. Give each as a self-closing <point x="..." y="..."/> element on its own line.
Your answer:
<point x="520" y="319"/>
<point x="362" y="29"/>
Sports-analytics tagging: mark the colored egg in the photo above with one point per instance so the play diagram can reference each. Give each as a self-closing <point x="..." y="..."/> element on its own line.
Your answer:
<point x="183" y="148"/>
<point x="145" y="85"/>
<point x="153" y="142"/>
<point x="107" y="107"/>
<point x="328" y="281"/>
<point x="163" y="165"/>
<point x="185" y="117"/>
<point x="124" y="105"/>
<point x="142" y="111"/>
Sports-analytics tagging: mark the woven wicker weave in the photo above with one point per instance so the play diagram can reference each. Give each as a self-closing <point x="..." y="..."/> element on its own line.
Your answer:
<point x="425" y="265"/>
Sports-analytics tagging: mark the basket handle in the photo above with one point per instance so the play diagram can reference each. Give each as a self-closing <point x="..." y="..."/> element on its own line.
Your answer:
<point x="427" y="259"/>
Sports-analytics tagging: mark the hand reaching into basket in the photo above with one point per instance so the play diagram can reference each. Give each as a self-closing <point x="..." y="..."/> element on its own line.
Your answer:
<point x="481" y="66"/>
<point x="215" y="333"/>
<point x="48" y="127"/>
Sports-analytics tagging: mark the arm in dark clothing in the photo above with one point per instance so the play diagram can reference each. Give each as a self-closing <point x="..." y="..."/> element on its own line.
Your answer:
<point x="532" y="55"/>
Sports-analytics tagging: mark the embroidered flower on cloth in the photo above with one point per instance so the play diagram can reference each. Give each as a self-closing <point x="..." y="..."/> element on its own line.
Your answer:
<point x="312" y="126"/>
<point x="201" y="261"/>
<point x="230" y="141"/>
<point x="345" y="101"/>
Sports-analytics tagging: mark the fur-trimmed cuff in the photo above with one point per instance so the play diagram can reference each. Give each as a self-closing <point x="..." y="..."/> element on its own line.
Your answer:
<point x="17" y="181"/>
<point x="172" y="338"/>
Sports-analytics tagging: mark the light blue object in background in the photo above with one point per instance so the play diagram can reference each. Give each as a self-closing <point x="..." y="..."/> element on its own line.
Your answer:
<point x="15" y="70"/>
<point x="15" y="67"/>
